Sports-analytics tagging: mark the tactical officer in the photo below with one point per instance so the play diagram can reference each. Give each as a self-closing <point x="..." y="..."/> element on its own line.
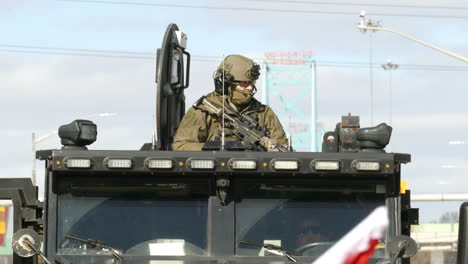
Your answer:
<point x="235" y="85"/>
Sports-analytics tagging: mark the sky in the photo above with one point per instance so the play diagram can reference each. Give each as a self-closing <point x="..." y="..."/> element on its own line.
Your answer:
<point x="69" y="59"/>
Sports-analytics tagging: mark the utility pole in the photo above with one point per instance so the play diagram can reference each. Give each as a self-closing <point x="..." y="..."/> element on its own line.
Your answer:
<point x="371" y="82"/>
<point x="389" y="66"/>
<point x="33" y="175"/>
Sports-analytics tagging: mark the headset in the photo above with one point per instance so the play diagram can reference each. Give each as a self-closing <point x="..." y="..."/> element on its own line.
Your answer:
<point x="222" y="81"/>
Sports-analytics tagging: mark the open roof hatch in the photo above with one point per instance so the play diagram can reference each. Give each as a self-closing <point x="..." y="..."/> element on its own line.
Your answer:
<point x="172" y="77"/>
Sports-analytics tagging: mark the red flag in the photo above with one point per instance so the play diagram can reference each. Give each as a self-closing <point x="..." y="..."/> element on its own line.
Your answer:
<point x="357" y="246"/>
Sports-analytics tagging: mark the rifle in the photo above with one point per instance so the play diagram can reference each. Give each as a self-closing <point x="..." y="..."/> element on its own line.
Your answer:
<point x="246" y="128"/>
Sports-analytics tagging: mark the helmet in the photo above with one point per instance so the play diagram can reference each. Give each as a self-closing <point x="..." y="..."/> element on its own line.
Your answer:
<point x="235" y="68"/>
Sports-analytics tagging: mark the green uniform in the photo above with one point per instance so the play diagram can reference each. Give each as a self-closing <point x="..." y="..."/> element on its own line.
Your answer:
<point x="199" y="125"/>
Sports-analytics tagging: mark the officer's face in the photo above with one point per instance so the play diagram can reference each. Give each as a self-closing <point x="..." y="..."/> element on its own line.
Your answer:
<point x="244" y="85"/>
<point x="310" y="232"/>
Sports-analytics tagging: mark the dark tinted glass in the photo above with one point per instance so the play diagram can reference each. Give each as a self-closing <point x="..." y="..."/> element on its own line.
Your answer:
<point x="169" y="219"/>
<point x="298" y="219"/>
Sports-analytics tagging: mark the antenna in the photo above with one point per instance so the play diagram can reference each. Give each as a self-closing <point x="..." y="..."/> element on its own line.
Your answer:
<point x="222" y="119"/>
<point x="154" y="140"/>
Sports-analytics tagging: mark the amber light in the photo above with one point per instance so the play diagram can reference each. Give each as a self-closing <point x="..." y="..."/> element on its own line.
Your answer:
<point x="403" y="186"/>
<point x="181" y="163"/>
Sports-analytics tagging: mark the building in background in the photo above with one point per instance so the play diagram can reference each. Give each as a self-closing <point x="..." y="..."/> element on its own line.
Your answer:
<point x="289" y="85"/>
<point x="6" y="231"/>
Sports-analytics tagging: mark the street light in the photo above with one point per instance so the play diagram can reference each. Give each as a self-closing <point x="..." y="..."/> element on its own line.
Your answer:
<point x="46" y="136"/>
<point x="371" y="25"/>
<point x="389" y="66"/>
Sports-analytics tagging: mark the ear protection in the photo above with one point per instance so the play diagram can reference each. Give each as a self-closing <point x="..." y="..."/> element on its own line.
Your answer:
<point x="222" y="81"/>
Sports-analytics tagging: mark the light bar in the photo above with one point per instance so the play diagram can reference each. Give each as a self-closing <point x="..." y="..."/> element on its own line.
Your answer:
<point x="200" y="164"/>
<point x="366" y="165"/>
<point x="119" y="163"/>
<point x="73" y="163"/>
<point x="243" y="164"/>
<point x="159" y="164"/>
<point x="322" y="165"/>
<point x="285" y="164"/>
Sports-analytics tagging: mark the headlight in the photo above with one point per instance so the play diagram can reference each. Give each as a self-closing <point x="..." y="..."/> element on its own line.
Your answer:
<point x="285" y="164"/>
<point x="366" y="165"/>
<point x="118" y="163"/>
<point x="78" y="163"/>
<point x="326" y="165"/>
<point x="159" y="164"/>
<point x="200" y="164"/>
<point x="243" y="164"/>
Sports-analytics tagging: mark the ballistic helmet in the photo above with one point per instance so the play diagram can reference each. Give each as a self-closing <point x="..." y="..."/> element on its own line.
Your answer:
<point x="235" y="68"/>
<point x="239" y="67"/>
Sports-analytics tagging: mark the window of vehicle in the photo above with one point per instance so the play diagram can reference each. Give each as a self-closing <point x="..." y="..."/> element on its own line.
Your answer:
<point x="145" y="219"/>
<point x="304" y="219"/>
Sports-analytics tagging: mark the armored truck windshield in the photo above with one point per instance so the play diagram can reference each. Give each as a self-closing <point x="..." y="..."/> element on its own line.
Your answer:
<point x="307" y="219"/>
<point x="148" y="217"/>
<point x="140" y="217"/>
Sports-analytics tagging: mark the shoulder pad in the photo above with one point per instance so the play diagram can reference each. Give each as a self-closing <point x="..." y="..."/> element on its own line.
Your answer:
<point x="199" y="101"/>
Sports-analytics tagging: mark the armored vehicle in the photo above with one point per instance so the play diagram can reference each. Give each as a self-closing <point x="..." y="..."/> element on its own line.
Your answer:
<point x="155" y="205"/>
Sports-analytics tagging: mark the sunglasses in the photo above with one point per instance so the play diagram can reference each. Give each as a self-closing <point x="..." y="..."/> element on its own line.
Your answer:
<point x="244" y="84"/>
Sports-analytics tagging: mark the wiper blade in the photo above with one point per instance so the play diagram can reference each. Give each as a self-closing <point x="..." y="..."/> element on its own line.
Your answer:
<point x="99" y="244"/>
<point x="277" y="250"/>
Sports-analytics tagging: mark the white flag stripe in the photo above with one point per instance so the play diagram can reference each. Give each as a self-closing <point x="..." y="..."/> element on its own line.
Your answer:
<point x="357" y="240"/>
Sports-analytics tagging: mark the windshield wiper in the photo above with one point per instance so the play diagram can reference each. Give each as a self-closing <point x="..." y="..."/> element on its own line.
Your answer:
<point x="277" y="250"/>
<point x="99" y="244"/>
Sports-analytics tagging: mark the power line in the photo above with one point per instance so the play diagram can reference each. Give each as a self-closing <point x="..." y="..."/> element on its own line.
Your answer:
<point x="76" y="54"/>
<point x="261" y="9"/>
<point x="361" y="4"/>
<point x="93" y="53"/>
<point x="120" y="54"/>
<point x="80" y="50"/>
<point x="340" y="64"/>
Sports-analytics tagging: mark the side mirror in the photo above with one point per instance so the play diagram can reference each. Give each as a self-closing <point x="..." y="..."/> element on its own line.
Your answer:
<point x="26" y="243"/>
<point x="402" y="247"/>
